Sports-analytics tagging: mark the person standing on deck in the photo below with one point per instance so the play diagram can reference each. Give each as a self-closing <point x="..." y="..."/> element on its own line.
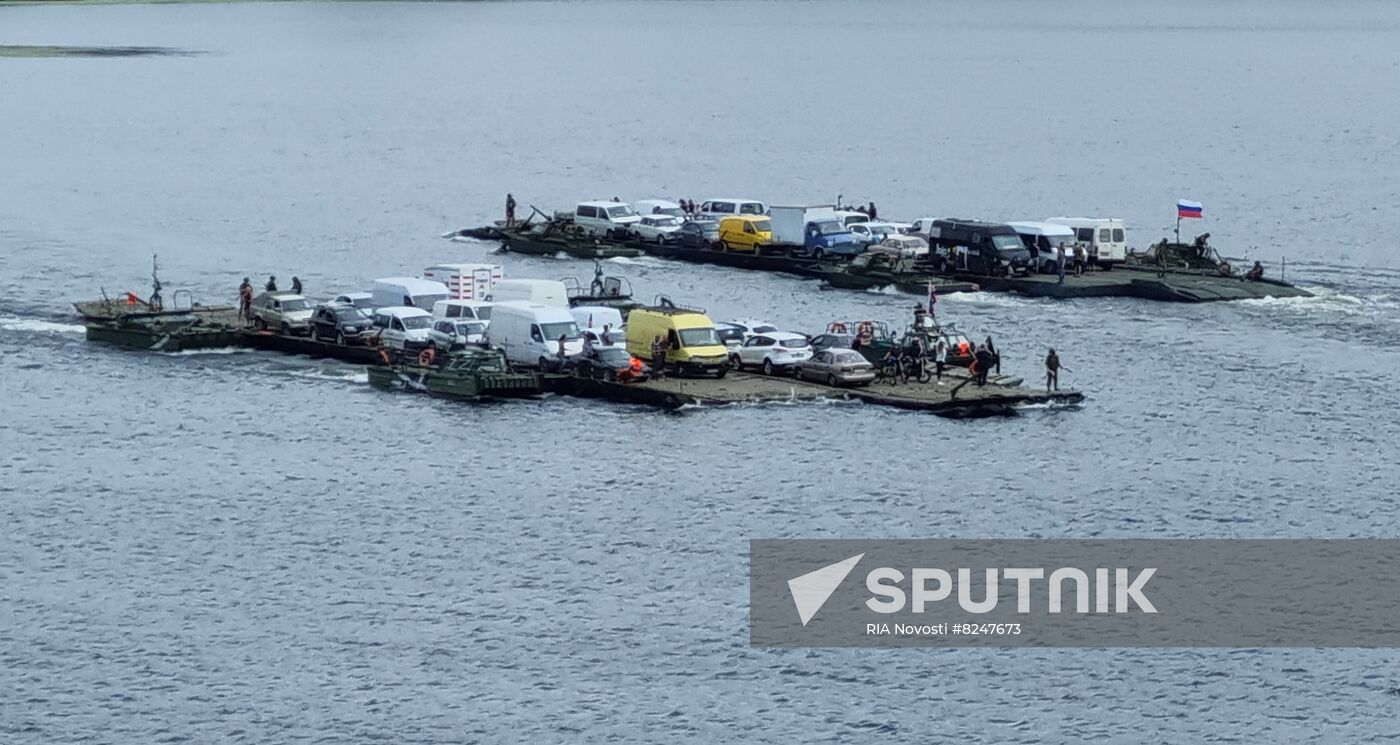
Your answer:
<point x="245" y="300"/>
<point x="940" y="358"/>
<point x="1052" y="370"/>
<point x="658" y="357"/>
<point x="606" y="338"/>
<point x="873" y="214"/>
<point x="984" y="364"/>
<point x="563" y="354"/>
<point x="510" y="210"/>
<point x="1060" y="262"/>
<point x="296" y="284"/>
<point x="271" y="284"/>
<point x="996" y="356"/>
<point x="1078" y="259"/>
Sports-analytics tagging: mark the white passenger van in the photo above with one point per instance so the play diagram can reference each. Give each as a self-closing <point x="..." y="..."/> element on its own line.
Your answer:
<point x="465" y="281"/>
<point x="726" y="207"/>
<point x="605" y="218"/>
<point x="403" y="329"/>
<point x="646" y="207"/>
<point x="542" y="291"/>
<point x="1042" y="238"/>
<point x="409" y="292"/>
<point x="477" y="310"/>
<point x="529" y="333"/>
<point x="1106" y="235"/>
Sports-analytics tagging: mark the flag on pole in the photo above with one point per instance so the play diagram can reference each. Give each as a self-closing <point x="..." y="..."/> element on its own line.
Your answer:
<point x="1188" y="210"/>
<point x="932" y="297"/>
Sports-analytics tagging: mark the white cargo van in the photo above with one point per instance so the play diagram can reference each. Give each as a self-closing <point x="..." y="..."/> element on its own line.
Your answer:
<point x="409" y="292"/>
<point x="542" y="291"/>
<point x="728" y="206"/>
<point x="605" y="218"/>
<point x="1042" y="238"/>
<point x="478" y="310"/>
<point x="465" y="281"/>
<point x="1104" y="235"/>
<point x="529" y="333"/>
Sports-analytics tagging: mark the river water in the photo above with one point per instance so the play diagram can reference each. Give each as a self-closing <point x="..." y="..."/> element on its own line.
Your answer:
<point x="245" y="547"/>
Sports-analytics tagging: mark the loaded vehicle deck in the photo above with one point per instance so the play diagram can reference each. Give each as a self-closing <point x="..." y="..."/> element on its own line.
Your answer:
<point x="1125" y="281"/>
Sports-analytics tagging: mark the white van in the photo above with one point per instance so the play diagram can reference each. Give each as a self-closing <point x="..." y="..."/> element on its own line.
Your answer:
<point x="1104" y="235"/>
<point x="921" y="226"/>
<point x="592" y="318"/>
<point x="646" y="207"/>
<point x="529" y="333"/>
<point x="726" y="207"/>
<point x="850" y="217"/>
<point x="1042" y="238"/>
<point x="408" y="292"/>
<point x="403" y="329"/>
<point x="542" y="291"/>
<point x="478" y="310"/>
<point x="605" y="218"/>
<point x="465" y="281"/>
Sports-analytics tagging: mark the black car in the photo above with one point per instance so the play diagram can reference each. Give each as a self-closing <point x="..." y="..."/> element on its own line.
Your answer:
<point x="346" y="324"/>
<point x="611" y="363"/>
<point x="696" y="234"/>
<point x="823" y="342"/>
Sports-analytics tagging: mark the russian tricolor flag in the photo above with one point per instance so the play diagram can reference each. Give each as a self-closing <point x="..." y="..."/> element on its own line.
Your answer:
<point x="1188" y="210"/>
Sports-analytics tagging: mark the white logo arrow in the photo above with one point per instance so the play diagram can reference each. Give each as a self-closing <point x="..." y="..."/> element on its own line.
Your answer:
<point x="811" y="590"/>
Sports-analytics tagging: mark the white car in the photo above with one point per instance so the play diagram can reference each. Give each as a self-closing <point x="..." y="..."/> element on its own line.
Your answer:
<point x="732" y="335"/>
<point x="362" y="300"/>
<point x="867" y="233"/>
<point x="753" y="326"/>
<point x="658" y="207"/>
<point x="656" y="228"/>
<point x="456" y="333"/>
<point x="775" y="351"/>
<point x="403" y="329"/>
<point x="906" y="245"/>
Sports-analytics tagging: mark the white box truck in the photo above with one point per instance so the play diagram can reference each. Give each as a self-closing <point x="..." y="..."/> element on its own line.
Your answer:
<point x="790" y="221"/>
<point x="465" y="281"/>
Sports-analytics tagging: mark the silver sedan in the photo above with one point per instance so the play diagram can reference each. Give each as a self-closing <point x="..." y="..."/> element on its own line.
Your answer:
<point x="837" y="367"/>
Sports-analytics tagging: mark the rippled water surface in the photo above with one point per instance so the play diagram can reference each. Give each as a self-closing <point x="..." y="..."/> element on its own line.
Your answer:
<point x="232" y="546"/>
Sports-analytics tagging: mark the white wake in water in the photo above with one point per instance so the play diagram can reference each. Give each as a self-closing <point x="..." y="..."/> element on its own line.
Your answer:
<point x="38" y="326"/>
